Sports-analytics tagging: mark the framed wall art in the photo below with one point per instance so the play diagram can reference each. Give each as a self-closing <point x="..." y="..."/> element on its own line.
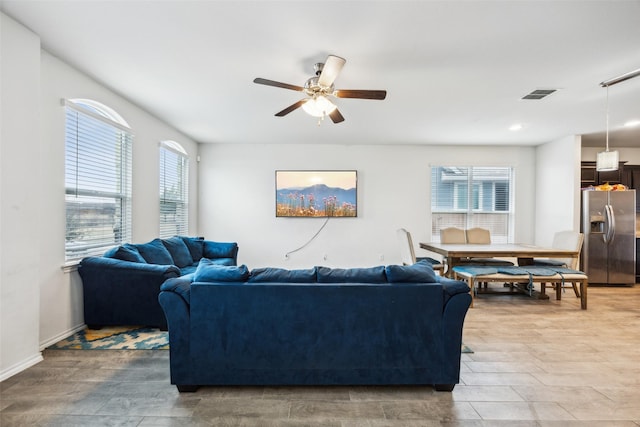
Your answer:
<point x="316" y="193"/>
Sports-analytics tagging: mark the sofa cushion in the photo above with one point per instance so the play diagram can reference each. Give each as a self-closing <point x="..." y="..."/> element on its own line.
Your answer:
<point x="195" y="246"/>
<point x="420" y="272"/>
<point x="179" y="251"/>
<point x="353" y="275"/>
<point x="219" y="250"/>
<point x="125" y="253"/>
<point x="271" y="274"/>
<point x="154" y="252"/>
<point x="210" y="271"/>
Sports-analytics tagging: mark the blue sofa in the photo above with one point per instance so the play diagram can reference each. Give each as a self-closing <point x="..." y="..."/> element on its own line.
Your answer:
<point x="319" y="326"/>
<point x="121" y="287"/>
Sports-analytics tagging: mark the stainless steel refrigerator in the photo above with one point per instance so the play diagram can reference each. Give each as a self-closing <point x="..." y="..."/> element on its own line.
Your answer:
<point x="609" y="227"/>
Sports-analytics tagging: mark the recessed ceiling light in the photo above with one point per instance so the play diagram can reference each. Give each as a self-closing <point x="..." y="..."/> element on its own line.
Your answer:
<point x="632" y="123"/>
<point x="515" y="127"/>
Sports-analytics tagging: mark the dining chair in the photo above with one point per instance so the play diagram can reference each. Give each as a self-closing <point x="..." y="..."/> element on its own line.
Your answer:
<point x="567" y="239"/>
<point x="408" y="255"/>
<point x="482" y="236"/>
<point x="452" y="235"/>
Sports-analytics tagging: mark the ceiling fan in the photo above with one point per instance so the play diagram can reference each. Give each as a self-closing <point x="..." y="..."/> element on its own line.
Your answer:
<point x="320" y="88"/>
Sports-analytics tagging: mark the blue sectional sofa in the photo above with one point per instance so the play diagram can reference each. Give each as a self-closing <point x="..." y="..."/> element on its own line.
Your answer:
<point x="121" y="287"/>
<point x="319" y="326"/>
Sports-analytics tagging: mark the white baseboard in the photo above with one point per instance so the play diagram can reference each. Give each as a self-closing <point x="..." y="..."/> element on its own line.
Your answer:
<point x="17" y="368"/>
<point x="61" y="336"/>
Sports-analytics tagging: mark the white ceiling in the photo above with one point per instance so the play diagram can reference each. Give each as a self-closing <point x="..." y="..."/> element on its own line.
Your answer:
<point x="454" y="71"/>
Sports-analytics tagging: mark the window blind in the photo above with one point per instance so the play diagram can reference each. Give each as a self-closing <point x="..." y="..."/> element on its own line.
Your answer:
<point x="467" y="197"/>
<point x="174" y="190"/>
<point x="97" y="183"/>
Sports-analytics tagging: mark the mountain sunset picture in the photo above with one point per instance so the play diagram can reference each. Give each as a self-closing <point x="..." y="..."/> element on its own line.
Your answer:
<point x="316" y="193"/>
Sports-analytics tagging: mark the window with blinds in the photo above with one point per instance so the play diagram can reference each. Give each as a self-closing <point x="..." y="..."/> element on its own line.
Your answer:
<point x="467" y="197"/>
<point x="97" y="179"/>
<point x="174" y="190"/>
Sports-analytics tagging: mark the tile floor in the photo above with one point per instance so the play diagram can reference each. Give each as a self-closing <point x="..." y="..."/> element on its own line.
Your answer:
<point x="535" y="363"/>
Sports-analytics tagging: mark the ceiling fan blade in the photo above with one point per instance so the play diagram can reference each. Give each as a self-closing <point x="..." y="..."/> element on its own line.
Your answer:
<point x="362" y="94"/>
<point x="331" y="69"/>
<point x="336" y="117"/>
<point x="261" y="81"/>
<point x="291" y="107"/>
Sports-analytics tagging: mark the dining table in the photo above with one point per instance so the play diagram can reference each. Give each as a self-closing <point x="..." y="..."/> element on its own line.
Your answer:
<point x="454" y="253"/>
<point x="524" y="253"/>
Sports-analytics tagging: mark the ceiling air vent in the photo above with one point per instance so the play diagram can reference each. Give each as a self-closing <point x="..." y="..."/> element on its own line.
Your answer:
<point x="539" y="94"/>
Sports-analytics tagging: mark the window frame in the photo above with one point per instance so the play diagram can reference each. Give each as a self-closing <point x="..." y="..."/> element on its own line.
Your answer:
<point x="88" y="176"/>
<point x="482" y="201"/>
<point x="181" y="180"/>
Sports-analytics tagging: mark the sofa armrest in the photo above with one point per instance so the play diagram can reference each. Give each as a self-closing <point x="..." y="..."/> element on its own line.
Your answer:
<point x="180" y="286"/>
<point x="452" y="287"/>
<point x="214" y="250"/>
<point x="112" y="265"/>
<point x="117" y="292"/>
<point x="177" y="312"/>
<point x="455" y="310"/>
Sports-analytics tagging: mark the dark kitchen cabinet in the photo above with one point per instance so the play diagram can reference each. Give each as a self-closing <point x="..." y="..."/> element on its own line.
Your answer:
<point x="590" y="176"/>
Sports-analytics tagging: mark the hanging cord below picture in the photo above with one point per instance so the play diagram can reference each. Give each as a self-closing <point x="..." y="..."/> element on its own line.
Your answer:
<point x="286" y="256"/>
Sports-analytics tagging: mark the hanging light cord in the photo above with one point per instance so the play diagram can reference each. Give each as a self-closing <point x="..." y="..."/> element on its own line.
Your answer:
<point x="607" y="125"/>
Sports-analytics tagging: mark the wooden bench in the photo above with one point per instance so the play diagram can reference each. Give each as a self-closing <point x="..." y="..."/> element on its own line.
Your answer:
<point x="525" y="280"/>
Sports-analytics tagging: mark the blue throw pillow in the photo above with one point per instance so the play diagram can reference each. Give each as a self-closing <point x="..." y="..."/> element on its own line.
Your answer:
<point x="195" y="246"/>
<point x="125" y="253"/>
<point x="209" y="271"/>
<point x="420" y="272"/>
<point x="351" y="275"/>
<point x="219" y="250"/>
<point x="154" y="252"/>
<point x="270" y="274"/>
<point x="179" y="251"/>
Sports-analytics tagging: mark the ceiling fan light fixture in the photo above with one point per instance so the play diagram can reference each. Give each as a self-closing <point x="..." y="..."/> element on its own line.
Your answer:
<point x="319" y="106"/>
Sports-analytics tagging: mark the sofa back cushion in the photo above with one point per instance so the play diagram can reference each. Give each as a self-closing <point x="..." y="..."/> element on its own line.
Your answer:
<point x="195" y="246"/>
<point x="351" y="275"/>
<point x="275" y="275"/>
<point x="210" y="271"/>
<point x="179" y="251"/>
<point x="125" y="252"/>
<point x="420" y="272"/>
<point x="154" y="252"/>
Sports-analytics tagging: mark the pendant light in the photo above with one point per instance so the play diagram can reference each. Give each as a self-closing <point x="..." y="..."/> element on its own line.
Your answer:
<point x="608" y="160"/>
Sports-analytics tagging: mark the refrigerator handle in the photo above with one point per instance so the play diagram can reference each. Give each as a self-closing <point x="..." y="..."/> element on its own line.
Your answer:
<point x="610" y="221"/>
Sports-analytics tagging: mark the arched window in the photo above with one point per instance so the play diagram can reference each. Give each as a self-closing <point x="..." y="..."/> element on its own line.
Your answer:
<point x="97" y="179"/>
<point x="174" y="189"/>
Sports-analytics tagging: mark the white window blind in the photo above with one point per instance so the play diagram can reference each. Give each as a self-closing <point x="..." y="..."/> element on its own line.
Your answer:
<point x="97" y="180"/>
<point x="467" y="197"/>
<point x="174" y="190"/>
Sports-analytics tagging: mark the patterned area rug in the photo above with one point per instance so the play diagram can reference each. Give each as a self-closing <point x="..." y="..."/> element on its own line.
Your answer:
<point x="126" y="338"/>
<point x="116" y="338"/>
